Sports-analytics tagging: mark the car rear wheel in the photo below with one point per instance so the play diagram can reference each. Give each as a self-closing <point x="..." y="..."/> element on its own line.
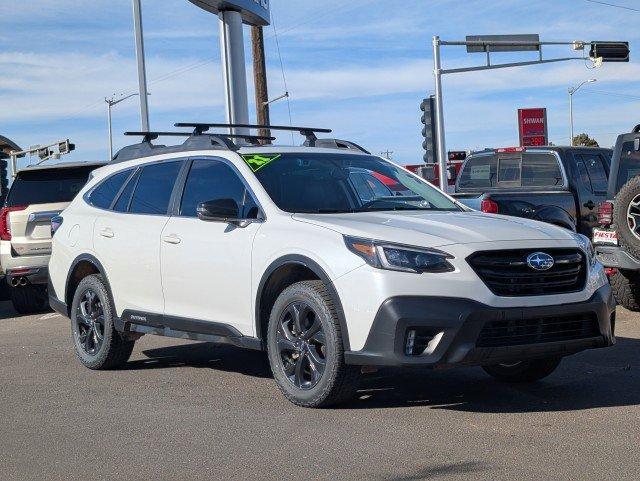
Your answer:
<point x="523" y="371"/>
<point x="29" y="299"/>
<point x="626" y="288"/>
<point x="97" y="343"/>
<point x="305" y="348"/>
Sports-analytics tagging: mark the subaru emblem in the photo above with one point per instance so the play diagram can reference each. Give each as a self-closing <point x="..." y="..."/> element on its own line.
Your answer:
<point x="540" y="261"/>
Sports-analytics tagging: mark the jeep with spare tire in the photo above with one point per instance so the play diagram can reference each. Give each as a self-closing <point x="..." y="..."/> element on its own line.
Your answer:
<point x="617" y="238"/>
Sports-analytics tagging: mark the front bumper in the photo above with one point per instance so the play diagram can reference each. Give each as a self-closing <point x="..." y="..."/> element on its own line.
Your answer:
<point x="617" y="257"/>
<point x="458" y="323"/>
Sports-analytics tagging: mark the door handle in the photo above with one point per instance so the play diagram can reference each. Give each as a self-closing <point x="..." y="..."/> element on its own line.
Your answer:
<point x="108" y="233"/>
<point x="589" y="205"/>
<point x="171" y="239"/>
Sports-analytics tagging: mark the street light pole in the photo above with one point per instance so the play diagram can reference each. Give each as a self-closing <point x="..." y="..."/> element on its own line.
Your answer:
<point x="440" y="145"/>
<point x="110" y="103"/>
<point x="573" y="90"/>
<point x="142" y="71"/>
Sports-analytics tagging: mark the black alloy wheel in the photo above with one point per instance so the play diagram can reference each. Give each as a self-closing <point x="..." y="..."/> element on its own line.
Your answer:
<point x="301" y="345"/>
<point x="90" y="323"/>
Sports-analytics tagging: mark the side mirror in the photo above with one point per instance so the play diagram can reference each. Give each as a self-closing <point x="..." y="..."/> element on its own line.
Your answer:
<point x="221" y="210"/>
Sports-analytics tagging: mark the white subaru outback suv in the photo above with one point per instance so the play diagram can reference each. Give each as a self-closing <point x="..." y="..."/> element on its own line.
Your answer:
<point x="329" y="259"/>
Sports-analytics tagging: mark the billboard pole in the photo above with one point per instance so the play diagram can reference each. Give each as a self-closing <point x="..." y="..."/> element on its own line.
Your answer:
<point x="233" y="69"/>
<point x="440" y="143"/>
<point x="142" y="71"/>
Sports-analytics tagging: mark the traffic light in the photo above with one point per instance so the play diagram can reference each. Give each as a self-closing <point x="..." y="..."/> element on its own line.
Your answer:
<point x="610" y="51"/>
<point x="65" y="147"/>
<point x="428" y="107"/>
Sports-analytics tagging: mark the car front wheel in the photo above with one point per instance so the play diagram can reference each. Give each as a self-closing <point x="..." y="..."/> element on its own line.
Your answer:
<point x="305" y="348"/>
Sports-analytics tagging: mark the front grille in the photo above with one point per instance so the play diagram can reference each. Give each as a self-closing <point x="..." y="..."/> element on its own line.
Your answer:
<point x="535" y="331"/>
<point x="507" y="273"/>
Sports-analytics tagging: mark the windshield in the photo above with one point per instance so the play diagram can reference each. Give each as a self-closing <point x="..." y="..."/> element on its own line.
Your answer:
<point x="629" y="165"/>
<point x="330" y="183"/>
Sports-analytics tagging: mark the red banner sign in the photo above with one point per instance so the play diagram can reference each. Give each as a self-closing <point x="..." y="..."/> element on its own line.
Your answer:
<point x="532" y="127"/>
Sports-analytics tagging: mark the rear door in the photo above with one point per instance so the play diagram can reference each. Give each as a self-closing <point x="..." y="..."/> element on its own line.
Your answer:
<point x="126" y="237"/>
<point x="34" y="198"/>
<point x="592" y="185"/>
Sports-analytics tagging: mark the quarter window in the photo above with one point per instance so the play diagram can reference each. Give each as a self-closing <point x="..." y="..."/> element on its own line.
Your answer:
<point x="103" y="195"/>
<point x="211" y="180"/>
<point x="154" y="188"/>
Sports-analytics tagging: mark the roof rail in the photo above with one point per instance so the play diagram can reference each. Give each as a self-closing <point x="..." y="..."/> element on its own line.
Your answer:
<point x="308" y="132"/>
<point x="335" y="144"/>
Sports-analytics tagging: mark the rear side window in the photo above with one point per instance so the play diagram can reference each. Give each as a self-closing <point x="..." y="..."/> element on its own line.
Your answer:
<point x="103" y="195"/>
<point x="122" y="204"/>
<point x="597" y="176"/>
<point x="47" y="186"/>
<point x="154" y="188"/>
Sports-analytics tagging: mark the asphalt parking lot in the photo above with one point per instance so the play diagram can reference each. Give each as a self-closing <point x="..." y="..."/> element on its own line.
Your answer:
<point x="198" y="411"/>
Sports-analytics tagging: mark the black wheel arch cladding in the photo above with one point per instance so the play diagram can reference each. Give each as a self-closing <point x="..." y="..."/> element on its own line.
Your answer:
<point x="296" y="260"/>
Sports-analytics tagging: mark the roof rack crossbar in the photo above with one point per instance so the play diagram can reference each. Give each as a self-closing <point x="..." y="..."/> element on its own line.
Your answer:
<point x="308" y="132"/>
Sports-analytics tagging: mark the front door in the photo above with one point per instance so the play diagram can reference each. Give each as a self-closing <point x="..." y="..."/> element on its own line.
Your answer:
<point x="206" y="266"/>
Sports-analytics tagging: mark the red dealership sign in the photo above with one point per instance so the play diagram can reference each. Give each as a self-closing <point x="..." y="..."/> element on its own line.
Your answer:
<point x="532" y="126"/>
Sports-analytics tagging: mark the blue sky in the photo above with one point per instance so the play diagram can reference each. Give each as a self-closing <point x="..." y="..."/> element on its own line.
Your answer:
<point x="360" y="67"/>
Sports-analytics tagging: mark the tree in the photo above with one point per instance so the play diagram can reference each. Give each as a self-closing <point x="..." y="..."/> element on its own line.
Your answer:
<point x="583" y="140"/>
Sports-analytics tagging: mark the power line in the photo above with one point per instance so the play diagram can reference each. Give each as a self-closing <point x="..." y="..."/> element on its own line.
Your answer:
<point x="615" y="94"/>
<point x="624" y="7"/>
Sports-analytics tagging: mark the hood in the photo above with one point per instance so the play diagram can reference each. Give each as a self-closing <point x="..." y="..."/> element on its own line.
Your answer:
<point x="434" y="229"/>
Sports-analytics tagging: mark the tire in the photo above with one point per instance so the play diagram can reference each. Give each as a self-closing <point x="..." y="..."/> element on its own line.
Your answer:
<point x="29" y="299"/>
<point x="331" y="382"/>
<point x="629" y="193"/>
<point x="523" y="371"/>
<point x="97" y="344"/>
<point x="626" y="289"/>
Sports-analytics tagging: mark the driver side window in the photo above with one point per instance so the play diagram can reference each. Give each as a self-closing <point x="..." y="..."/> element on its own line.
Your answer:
<point x="210" y="179"/>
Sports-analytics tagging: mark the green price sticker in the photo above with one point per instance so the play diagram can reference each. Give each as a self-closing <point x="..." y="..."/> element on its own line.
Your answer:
<point x="258" y="161"/>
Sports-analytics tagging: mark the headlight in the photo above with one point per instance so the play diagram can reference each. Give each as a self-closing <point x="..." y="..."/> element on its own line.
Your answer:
<point x="586" y="246"/>
<point x="398" y="257"/>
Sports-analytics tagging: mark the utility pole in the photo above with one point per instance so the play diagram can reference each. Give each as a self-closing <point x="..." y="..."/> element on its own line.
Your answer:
<point x="387" y="154"/>
<point x="142" y="71"/>
<point x="260" y="80"/>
